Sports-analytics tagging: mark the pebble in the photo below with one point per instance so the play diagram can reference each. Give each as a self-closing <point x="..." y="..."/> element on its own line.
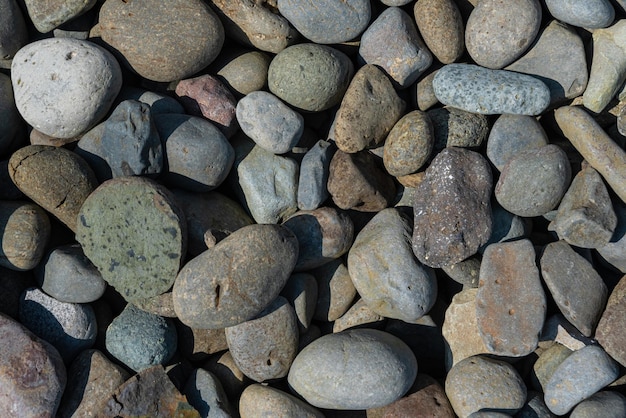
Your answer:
<point x="481" y="90"/>
<point x="258" y="401"/>
<point x="510" y="304"/>
<point x="159" y="103"/>
<point x="56" y="179"/>
<point x="441" y="26"/>
<point x="25" y="235"/>
<point x="335" y="290"/>
<point x="41" y="72"/>
<point x="592" y="14"/>
<point x="116" y="244"/>
<point x="580" y="375"/>
<point x="310" y="77"/>
<point x="458" y="128"/>
<point x="314" y="172"/>
<point x="91" y="379"/>
<point x="198" y="344"/>
<point x="368" y="111"/>
<point x="324" y="234"/>
<point x="32" y="372"/>
<point x="205" y="393"/>
<point x="506" y="226"/>
<point x="140" y="339"/>
<point x="533" y="182"/>
<point x="424" y="95"/>
<point x="14" y="33"/>
<point x="386" y="273"/>
<point x="67" y="275"/>
<point x="368" y="368"/>
<point x="610" y="331"/>
<point x="198" y="155"/>
<point x="392" y="43"/>
<point x="228" y="284"/>
<point x="409" y="144"/>
<point x="499" y="31"/>
<point x="327" y="21"/>
<point x="557" y="58"/>
<point x="244" y="72"/>
<point x="301" y="293"/>
<point x="360" y="315"/>
<point x="269" y="122"/>
<point x="69" y="327"/>
<point x="139" y="33"/>
<point x="601" y="404"/>
<point x="577" y="289"/>
<point x="208" y="97"/>
<point x="481" y="383"/>
<point x="452" y="209"/>
<point x="615" y="251"/>
<point x="585" y="217"/>
<point x="512" y="134"/>
<point x="10" y="119"/>
<point x="264" y="347"/>
<point x="464" y="272"/>
<point x="595" y="146"/>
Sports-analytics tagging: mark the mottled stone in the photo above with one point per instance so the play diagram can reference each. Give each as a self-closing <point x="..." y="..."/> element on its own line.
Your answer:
<point x="548" y="361"/>
<point x="392" y="43"/>
<point x="238" y="278"/>
<point x="511" y="303"/>
<point x="314" y="171"/>
<point x="506" y="226"/>
<point x="25" y="233"/>
<point x="205" y="393"/>
<point x="244" y="72"/>
<point x="499" y="31"/>
<point x="512" y="134"/>
<point x="335" y="291"/>
<point x="409" y="144"/>
<point x="360" y="315"/>
<point x="577" y="289"/>
<point x="116" y="244"/>
<point x="367" y="368"/>
<point x="258" y="401"/>
<point x="49" y="15"/>
<point x="301" y="293"/>
<point x="601" y="404"/>
<point x="610" y="332"/>
<point x="441" y="25"/>
<point x="452" y="208"/>
<point x="587" y="14"/>
<point x="457" y="128"/>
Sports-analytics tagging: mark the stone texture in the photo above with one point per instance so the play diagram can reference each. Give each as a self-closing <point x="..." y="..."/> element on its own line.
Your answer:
<point x="198" y="344"/>
<point x="560" y="330"/>
<point x="368" y="369"/>
<point x="32" y="374"/>
<point x="577" y="289"/>
<point x="335" y="291"/>
<point x="301" y="293"/>
<point x="392" y="43"/>
<point x="464" y="272"/>
<point x="259" y="401"/>
<point x="310" y="77"/>
<point x="205" y="393"/>
<point x="441" y="25"/>
<point x="116" y="244"/>
<point x="244" y="72"/>
<point x="164" y="42"/>
<point x="409" y="144"/>
<point x="360" y="315"/>
<point x="10" y="120"/>
<point x="512" y="134"/>
<point x="610" y="331"/>
<point x="535" y="407"/>
<point x="162" y="305"/>
<point x="601" y="404"/>
<point x="548" y="361"/>
<point x="533" y="182"/>
<point x="25" y="235"/>
<point x="499" y="31"/>
<point x="47" y="16"/>
<point x="368" y="111"/>
<point x="64" y="86"/>
<point x="481" y="90"/>
<point x="593" y="14"/>
<point x="457" y="128"/>
<point x="314" y="171"/>
<point x="510" y="303"/>
<point x="56" y="179"/>
<point x="452" y="208"/>
<point x="238" y="278"/>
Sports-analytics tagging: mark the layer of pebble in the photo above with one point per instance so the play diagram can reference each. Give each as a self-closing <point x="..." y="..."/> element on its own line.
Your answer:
<point x="341" y="208"/>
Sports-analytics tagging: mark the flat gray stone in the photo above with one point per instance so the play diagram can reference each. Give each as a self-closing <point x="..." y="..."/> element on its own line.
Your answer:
<point x="512" y="134"/>
<point x="314" y="172"/>
<point x="506" y="226"/>
<point x="301" y="293"/>
<point x="335" y="291"/>
<point x="243" y="71"/>
<point x="587" y="14"/>
<point x="464" y="272"/>
<point x="25" y="235"/>
<point x="205" y="393"/>
<point x="159" y="103"/>
<point x="615" y="251"/>
<point x="457" y="128"/>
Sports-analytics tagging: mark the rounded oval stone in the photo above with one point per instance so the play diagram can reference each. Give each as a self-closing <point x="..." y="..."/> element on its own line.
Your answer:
<point x="64" y="86"/>
<point x="244" y="72"/>
<point x="499" y="31"/>
<point x="25" y="234"/>
<point x="264" y="347"/>
<point x="309" y="76"/>
<point x="117" y="221"/>
<point x="385" y="271"/>
<point x="354" y="369"/>
<point x="481" y="90"/>
<point x="165" y="41"/>
<point x="441" y="26"/>
<point x="234" y="281"/>
<point x="409" y="144"/>
<point x="327" y="21"/>
<point x="512" y="134"/>
<point x="533" y="182"/>
<point x="140" y="339"/>
<point x="589" y="14"/>
<point x="258" y="401"/>
<point x="601" y="404"/>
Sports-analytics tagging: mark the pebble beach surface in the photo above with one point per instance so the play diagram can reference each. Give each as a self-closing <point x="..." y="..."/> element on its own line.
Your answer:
<point x="299" y="208"/>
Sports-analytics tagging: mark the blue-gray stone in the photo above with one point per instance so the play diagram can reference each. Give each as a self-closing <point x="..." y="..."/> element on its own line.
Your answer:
<point x="506" y="226"/>
<point x="393" y="43"/>
<point x="269" y="122"/>
<point x="589" y="14"/>
<point x="512" y="134"/>
<point x="130" y="141"/>
<point x="140" y="339"/>
<point x="67" y="275"/>
<point x="481" y="90"/>
<point x="327" y="21"/>
<point x="158" y="102"/>
<point x="198" y="154"/>
<point x="602" y="404"/>
<point x="301" y="292"/>
<point x="314" y="171"/>
<point x="205" y="393"/>
<point x="89" y="147"/>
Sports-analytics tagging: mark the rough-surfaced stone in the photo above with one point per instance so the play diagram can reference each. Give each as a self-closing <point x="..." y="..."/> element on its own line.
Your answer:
<point x="409" y="144"/>
<point x="590" y="14"/>
<point x="25" y="234"/>
<point x="512" y="134"/>
<point x="158" y="102"/>
<point x="234" y="281"/>
<point x="506" y="226"/>
<point x="441" y="25"/>
<point x="457" y="128"/>
<point x="115" y="223"/>
<point x="464" y="272"/>
<point x="32" y="374"/>
<point x="510" y="303"/>
<point x="452" y="208"/>
<point x="548" y="361"/>
<point x="165" y="41"/>
<point x="611" y="329"/>
<point x="64" y="86"/>
<point x="258" y="401"/>
<point x="481" y="90"/>
<point x="355" y="369"/>
<point x="205" y="393"/>
<point x="161" y="305"/>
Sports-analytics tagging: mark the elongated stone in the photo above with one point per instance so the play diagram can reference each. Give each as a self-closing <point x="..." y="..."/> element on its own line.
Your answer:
<point x="590" y="14"/>
<point x="441" y="25"/>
